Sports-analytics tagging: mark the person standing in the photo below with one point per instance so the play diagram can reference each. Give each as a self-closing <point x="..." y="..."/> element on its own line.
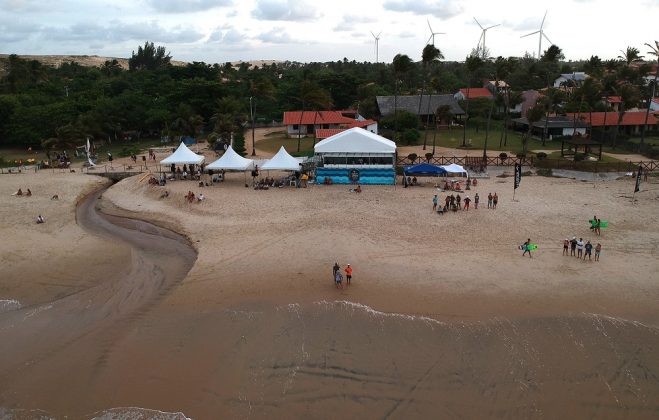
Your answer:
<point x="598" y="227"/>
<point x="589" y="249"/>
<point x="580" y="248"/>
<point x="338" y="278"/>
<point x="348" y="274"/>
<point x="527" y="248"/>
<point x="467" y="201"/>
<point x="448" y="202"/>
<point x="434" y="203"/>
<point x="566" y="245"/>
<point x="573" y="246"/>
<point x="489" y="201"/>
<point x="458" y="201"/>
<point x="476" y="198"/>
<point x="335" y="269"/>
<point x="495" y="200"/>
<point x="598" y="248"/>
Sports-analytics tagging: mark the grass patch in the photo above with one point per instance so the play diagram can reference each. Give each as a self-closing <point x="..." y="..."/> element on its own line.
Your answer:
<point x="476" y="140"/>
<point x="272" y="145"/>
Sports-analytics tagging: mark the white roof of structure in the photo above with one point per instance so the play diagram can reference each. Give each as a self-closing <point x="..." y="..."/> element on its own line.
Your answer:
<point x="183" y="155"/>
<point x="454" y="169"/>
<point x="355" y="140"/>
<point x="231" y="161"/>
<point x="282" y="161"/>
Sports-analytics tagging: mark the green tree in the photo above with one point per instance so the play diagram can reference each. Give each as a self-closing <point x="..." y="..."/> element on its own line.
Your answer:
<point x="629" y="96"/>
<point x="261" y="88"/>
<point x="429" y="55"/>
<point x="630" y="55"/>
<point x="654" y="51"/>
<point x="472" y="63"/>
<point x="401" y="64"/>
<point x="533" y="115"/>
<point x="149" y="57"/>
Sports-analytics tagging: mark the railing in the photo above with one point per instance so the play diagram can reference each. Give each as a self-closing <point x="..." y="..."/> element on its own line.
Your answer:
<point x="587" y="166"/>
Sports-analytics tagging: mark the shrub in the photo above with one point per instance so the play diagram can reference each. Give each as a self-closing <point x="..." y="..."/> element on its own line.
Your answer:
<point x="128" y="151"/>
<point x="544" y="172"/>
<point x="578" y="157"/>
<point x="411" y="136"/>
<point x="412" y="157"/>
<point x="429" y="156"/>
<point x="541" y="155"/>
<point x="520" y="155"/>
<point x="406" y="121"/>
<point x="503" y="155"/>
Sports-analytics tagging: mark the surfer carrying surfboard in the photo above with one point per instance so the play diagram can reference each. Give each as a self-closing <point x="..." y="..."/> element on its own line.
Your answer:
<point x="527" y="247"/>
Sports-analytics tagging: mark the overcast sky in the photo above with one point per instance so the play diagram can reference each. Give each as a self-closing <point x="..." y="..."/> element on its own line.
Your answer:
<point x="304" y="30"/>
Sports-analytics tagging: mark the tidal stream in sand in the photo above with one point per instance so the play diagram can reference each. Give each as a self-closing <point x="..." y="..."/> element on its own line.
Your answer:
<point x="324" y="359"/>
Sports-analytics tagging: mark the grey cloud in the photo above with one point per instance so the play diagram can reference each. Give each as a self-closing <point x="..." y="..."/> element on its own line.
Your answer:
<point x="186" y="6"/>
<point x="227" y="35"/>
<point x="438" y="8"/>
<point x="13" y="31"/>
<point x="349" y="21"/>
<point x="276" y="36"/>
<point x="406" y="34"/>
<point x="21" y="5"/>
<point x="118" y="32"/>
<point x="286" y="10"/>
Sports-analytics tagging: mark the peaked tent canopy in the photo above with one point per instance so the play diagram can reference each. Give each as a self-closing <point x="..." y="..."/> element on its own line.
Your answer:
<point x="454" y="169"/>
<point x="282" y="161"/>
<point x="231" y="161"/>
<point x="355" y="140"/>
<point x="181" y="156"/>
<point x="424" y="169"/>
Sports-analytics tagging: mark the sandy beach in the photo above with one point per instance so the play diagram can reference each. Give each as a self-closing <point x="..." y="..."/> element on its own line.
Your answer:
<point x="444" y="318"/>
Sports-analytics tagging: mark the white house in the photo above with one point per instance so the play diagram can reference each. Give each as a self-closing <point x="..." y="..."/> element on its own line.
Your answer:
<point x="569" y="78"/>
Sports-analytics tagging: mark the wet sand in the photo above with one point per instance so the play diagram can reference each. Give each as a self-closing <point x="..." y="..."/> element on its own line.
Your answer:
<point x="454" y="327"/>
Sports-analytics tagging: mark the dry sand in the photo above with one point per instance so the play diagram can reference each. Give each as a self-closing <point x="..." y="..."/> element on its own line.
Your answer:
<point x="445" y="318"/>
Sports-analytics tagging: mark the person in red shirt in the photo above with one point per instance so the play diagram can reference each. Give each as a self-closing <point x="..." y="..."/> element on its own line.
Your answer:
<point x="348" y="274"/>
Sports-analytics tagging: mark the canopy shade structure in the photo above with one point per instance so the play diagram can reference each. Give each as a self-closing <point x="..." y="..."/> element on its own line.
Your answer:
<point x="232" y="161"/>
<point x="282" y="161"/>
<point x="424" y="169"/>
<point x="355" y="140"/>
<point x="454" y="169"/>
<point x="181" y="156"/>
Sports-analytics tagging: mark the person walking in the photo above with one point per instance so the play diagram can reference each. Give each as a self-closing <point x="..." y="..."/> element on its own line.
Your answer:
<point x="467" y="201"/>
<point x="335" y="269"/>
<point x="527" y="248"/>
<point x="495" y="200"/>
<point x="580" y="245"/>
<point x="589" y="249"/>
<point x="598" y="248"/>
<point x="489" y="201"/>
<point x="476" y="198"/>
<point x="348" y="271"/>
<point x="566" y="245"/>
<point x="434" y="203"/>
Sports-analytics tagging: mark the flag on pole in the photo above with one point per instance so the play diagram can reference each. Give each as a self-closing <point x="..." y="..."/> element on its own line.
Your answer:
<point x="638" y="179"/>
<point x="518" y="174"/>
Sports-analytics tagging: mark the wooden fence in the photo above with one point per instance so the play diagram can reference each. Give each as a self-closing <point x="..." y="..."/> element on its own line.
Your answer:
<point x="475" y="163"/>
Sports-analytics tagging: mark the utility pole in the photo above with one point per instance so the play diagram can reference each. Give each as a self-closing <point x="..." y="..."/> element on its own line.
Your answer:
<point x="251" y="114"/>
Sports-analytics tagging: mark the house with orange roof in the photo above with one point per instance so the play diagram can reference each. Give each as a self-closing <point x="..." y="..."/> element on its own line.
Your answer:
<point x="302" y="123"/>
<point x="473" y="93"/>
<point x="631" y="123"/>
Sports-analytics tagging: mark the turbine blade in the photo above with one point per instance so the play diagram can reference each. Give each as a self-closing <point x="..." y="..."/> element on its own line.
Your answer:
<point x="373" y="34"/>
<point x="543" y="20"/>
<point x="543" y="34"/>
<point x="477" y="23"/>
<point x="532" y="33"/>
<point x="493" y="26"/>
<point x="429" y="25"/>
<point x="428" y="41"/>
<point x="379" y="33"/>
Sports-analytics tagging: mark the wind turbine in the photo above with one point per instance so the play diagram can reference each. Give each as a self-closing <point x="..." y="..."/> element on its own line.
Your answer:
<point x="432" y="34"/>
<point x="377" y="42"/>
<point x="481" y="41"/>
<point x="541" y="33"/>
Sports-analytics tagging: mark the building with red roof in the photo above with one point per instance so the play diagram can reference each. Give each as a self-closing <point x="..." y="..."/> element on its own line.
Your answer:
<point x="632" y="121"/>
<point x="307" y="122"/>
<point x="473" y="93"/>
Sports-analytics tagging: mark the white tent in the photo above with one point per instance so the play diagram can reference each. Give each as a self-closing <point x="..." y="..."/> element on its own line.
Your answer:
<point x="181" y="156"/>
<point x="454" y="169"/>
<point x="282" y="161"/>
<point x="231" y="161"/>
<point x="355" y="140"/>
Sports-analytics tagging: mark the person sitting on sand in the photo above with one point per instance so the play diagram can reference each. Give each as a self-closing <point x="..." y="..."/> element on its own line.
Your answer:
<point x="201" y="197"/>
<point x="19" y="192"/>
<point x="358" y="189"/>
<point x="40" y="219"/>
<point x="55" y="197"/>
<point x="164" y="194"/>
<point x="28" y="193"/>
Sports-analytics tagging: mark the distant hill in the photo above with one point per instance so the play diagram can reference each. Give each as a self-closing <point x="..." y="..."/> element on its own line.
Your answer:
<point x="98" y="61"/>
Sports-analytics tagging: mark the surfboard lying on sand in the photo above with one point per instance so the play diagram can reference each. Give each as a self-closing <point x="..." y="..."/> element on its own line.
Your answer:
<point x="603" y="223"/>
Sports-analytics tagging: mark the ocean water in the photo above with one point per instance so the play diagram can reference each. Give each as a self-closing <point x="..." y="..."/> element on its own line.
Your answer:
<point x="120" y="413"/>
<point x="7" y="305"/>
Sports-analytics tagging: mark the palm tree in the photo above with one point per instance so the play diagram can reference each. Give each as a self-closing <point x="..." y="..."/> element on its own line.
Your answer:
<point x="313" y="95"/>
<point x="629" y="96"/>
<point x="401" y="65"/>
<point x="260" y="88"/>
<point x="66" y="136"/>
<point x="473" y="63"/>
<point x="443" y="113"/>
<point x="655" y="52"/>
<point x="428" y="56"/>
<point x="533" y="115"/>
<point x="630" y="55"/>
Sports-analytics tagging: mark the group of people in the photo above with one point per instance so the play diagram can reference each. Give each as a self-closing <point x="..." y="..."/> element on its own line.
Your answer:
<point x="581" y="249"/>
<point x="454" y="202"/>
<point x="191" y="197"/>
<point x="191" y="172"/>
<point x="596" y="226"/>
<point x="492" y="200"/>
<point x="338" y="277"/>
<point x="20" y="192"/>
